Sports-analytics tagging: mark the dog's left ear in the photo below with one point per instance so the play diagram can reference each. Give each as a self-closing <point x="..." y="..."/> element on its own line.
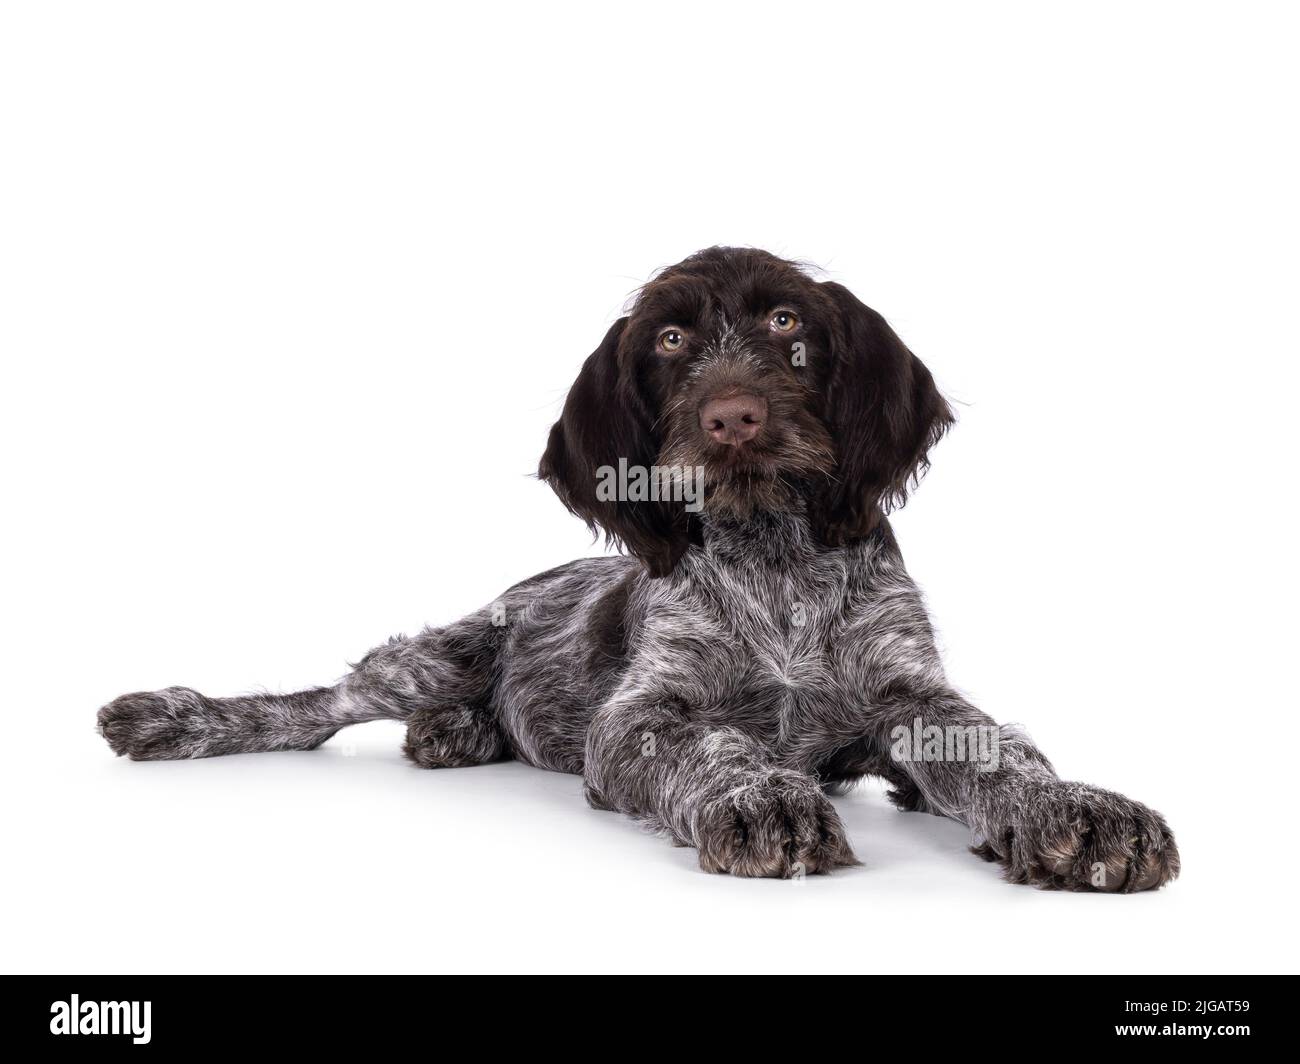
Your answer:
<point x="884" y="414"/>
<point x="605" y="420"/>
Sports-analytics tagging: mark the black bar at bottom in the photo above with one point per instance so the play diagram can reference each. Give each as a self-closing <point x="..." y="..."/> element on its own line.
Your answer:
<point x="436" y="1014"/>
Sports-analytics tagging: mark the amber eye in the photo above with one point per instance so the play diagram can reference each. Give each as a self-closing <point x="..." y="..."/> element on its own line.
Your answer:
<point x="784" y="321"/>
<point x="671" y="340"/>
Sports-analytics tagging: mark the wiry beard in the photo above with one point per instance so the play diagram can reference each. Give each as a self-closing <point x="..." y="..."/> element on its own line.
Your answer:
<point x="771" y="474"/>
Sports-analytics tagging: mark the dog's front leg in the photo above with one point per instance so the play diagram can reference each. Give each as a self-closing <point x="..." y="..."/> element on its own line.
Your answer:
<point x="1041" y="829"/>
<point x="712" y="788"/>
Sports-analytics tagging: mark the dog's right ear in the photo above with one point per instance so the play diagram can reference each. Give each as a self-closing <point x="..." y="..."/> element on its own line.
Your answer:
<point x="606" y="419"/>
<point x="884" y="412"/>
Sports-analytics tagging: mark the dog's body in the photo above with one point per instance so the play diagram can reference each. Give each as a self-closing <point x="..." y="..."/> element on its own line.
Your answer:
<point x="744" y="659"/>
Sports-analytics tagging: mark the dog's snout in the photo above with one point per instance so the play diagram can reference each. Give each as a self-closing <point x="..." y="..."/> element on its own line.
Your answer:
<point x="735" y="419"/>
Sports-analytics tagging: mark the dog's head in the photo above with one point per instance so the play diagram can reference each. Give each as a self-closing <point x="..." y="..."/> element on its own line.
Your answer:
<point x="787" y="392"/>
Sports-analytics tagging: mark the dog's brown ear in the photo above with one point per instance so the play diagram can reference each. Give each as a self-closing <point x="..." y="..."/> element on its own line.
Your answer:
<point x="605" y="419"/>
<point x="884" y="413"/>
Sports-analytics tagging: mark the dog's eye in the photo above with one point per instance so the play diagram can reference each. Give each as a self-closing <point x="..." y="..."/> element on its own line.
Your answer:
<point x="671" y="340"/>
<point x="784" y="321"/>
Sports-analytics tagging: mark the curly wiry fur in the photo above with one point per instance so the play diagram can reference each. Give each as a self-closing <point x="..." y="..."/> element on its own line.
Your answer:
<point x="741" y="661"/>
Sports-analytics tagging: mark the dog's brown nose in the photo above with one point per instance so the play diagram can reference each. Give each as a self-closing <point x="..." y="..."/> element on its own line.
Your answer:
<point x="734" y="420"/>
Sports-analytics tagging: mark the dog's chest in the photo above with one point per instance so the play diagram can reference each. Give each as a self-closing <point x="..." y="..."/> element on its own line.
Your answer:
<point x="768" y="657"/>
<point x="783" y="638"/>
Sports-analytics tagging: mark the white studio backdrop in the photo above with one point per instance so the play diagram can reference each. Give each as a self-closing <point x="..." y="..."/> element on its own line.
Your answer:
<point x="292" y="293"/>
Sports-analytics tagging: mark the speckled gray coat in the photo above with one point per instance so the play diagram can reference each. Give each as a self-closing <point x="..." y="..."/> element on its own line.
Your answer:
<point x="739" y="664"/>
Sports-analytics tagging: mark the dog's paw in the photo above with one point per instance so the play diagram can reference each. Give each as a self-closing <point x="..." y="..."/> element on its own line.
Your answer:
<point x="780" y="825"/>
<point x="907" y="798"/>
<point x="1070" y="836"/>
<point x="154" y="725"/>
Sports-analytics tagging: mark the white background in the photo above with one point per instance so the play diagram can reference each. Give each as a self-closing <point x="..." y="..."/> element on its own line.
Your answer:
<point x="292" y="292"/>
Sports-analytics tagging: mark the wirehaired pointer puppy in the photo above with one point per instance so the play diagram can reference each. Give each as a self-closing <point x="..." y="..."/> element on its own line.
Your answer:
<point x="761" y="641"/>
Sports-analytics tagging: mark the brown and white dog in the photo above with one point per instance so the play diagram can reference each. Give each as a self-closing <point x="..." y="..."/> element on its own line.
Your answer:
<point x="758" y="645"/>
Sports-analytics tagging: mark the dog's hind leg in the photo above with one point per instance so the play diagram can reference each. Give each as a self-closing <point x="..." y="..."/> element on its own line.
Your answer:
<point x="178" y="722"/>
<point x="439" y="681"/>
<point x="454" y="736"/>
